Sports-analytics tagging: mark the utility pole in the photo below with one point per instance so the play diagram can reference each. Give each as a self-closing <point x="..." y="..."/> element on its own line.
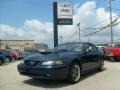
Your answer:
<point x="0" y="43"/>
<point x="110" y="6"/>
<point x="79" y="30"/>
<point x="61" y="39"/>
<point x="88" y="39"/>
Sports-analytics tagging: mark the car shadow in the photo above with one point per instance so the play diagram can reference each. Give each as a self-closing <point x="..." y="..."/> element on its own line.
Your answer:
<point x="46" y="83"/>
<point x="56" y="83"/>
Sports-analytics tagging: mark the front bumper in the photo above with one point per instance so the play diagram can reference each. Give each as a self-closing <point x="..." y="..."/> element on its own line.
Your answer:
<point x="57" y="72"/>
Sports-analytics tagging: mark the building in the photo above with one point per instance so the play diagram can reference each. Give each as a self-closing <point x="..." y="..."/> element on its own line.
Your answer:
<point x="16" y="44"/>
<point x="38" y="47"/>
<point x="41" y="46"/>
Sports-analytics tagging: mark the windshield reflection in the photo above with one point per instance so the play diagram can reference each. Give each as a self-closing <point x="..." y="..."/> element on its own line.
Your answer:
<point x="68" y="47"/>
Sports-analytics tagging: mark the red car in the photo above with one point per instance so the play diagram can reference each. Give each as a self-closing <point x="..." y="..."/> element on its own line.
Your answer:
<point x="113" y="52"/>
<point x="13" y="53"/>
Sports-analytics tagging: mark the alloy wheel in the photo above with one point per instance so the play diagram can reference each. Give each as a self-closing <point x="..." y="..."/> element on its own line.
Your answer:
<point x="76" y="72"/>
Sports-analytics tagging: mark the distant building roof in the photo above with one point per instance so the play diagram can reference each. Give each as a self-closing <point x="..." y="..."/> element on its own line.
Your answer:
<point x="41" y="46"/>
<point x="16" y="40"/>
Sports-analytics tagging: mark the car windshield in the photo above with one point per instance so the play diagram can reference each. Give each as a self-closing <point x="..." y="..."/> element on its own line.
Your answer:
<point x="68" y="47"/>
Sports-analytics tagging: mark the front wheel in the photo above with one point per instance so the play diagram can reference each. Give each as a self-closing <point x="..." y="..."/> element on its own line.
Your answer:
<point x="74" y="74"/>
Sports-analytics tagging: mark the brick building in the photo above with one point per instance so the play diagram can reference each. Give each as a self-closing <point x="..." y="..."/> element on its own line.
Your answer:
<point x="16" y="44"/>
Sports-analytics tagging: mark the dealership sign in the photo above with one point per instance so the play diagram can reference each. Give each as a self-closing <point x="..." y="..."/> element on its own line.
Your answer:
<point x="64" y="14"/>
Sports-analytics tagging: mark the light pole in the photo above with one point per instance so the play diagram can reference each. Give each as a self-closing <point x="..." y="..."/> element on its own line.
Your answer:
<point x="110" y="5"/>
<point x="79" y="30"/>
<point x="61" y="39"/>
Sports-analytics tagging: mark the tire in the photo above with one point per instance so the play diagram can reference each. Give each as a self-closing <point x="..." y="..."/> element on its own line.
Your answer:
<point x="0" y="62"/>
<point x="13" y="60"/>
<point x="101" y="65"/>
<point x="7" y="60"/>
<point x="74" y="74"/>
<point x="112" y="59"/>
<point x="117" y="59"/>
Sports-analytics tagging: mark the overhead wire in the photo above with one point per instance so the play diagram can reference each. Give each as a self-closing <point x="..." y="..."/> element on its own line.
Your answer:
<point x="102" y="28"/>
<point x="92" y="28"/>
<point x="72" y="36"/>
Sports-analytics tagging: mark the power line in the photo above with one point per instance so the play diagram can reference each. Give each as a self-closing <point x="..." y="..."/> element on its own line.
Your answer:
<point x="99" y="23"/>
<point x="102" y="28"/>
<point x="91" y="28"/>
<point x="72" y="35"/>
<point x="74" y="40"/>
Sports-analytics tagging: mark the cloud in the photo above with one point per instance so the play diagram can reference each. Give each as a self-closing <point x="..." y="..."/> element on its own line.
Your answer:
<point x="87" y="14"/>
<point x="31" y="29"/>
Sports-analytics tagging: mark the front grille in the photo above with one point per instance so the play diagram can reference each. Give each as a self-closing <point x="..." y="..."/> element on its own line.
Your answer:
<point x="32" y="63"/>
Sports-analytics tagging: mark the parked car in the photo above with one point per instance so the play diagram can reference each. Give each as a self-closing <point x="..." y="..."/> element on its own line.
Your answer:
<point x="15" y="54"/>
<point x="5" y="58"/>
<point x="66" y="61"/>
<point x="102" y="48"/>
<point x="113" y="52"/>
<point x="2" y="59"/>
<point x="12" y="53"/>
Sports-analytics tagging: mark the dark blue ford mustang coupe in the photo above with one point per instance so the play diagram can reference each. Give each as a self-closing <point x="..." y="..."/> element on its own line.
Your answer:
<point x="66" y="61"/>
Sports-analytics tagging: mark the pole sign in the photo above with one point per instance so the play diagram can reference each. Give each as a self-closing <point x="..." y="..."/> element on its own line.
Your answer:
<point x="64" y="14"/>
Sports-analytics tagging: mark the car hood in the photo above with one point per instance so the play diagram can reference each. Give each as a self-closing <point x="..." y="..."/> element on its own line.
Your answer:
<point x="50" y="56"/>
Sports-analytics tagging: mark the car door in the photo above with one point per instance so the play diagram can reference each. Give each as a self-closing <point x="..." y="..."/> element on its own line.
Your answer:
<point x="89" y="58"/>
<point x="95" y="55"/>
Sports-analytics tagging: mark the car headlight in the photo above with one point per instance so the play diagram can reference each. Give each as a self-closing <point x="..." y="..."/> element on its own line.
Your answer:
<point x="22" y="62"/>
<point x="58" y="62"/>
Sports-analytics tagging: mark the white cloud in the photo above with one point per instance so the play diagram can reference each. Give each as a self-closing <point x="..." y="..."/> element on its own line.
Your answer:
<point x="87" y="14"/>
<point x="32" y="29"/>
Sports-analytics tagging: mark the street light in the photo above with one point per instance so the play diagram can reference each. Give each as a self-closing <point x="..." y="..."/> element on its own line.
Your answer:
<point x="61" y="39"/>
<point x="78" y="25"/>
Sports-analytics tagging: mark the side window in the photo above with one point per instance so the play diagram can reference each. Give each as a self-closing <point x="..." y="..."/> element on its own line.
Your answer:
<point x="93" y="49"/>
<point x="86" y="46"/>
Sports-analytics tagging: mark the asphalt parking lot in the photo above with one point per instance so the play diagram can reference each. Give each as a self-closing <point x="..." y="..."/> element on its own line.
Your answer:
<point x="109" y="79"/>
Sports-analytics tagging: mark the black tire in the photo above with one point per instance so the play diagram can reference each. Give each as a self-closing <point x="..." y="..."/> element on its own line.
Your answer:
<point x="0" y="62"/>
<point x="117" y="59"/>
<point x="7" y="60"/>
<point x="101" y="65"/>
<point x="112" y="59"/>
<point x="74" y="74"/>
<point x="13" y="60"/>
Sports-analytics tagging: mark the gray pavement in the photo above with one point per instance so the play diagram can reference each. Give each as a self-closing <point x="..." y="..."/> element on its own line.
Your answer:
<point x="109" y="79"/>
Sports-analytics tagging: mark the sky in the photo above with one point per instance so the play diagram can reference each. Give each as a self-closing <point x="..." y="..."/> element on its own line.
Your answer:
<point x="33" y="19"/>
